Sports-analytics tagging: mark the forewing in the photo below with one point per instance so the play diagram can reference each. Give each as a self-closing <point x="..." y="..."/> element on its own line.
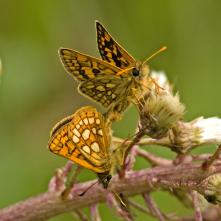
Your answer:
<point x="105" y="90"/>
<point x="91" y="136"/>
<point x="111" y="51"/>
<point x="83" y="67"/>
<point x="61" y="144"/>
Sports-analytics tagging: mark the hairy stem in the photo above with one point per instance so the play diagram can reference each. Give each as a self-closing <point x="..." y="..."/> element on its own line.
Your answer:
<point x="185" y="176"/>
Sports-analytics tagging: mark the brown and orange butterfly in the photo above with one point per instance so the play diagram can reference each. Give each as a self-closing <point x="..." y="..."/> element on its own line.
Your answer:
<point x="112" y="81"/>
<point x="85" y="139"/>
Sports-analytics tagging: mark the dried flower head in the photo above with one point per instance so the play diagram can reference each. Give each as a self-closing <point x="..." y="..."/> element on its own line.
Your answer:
<point x="159" y="110"/>
<point x="184" y="136"/>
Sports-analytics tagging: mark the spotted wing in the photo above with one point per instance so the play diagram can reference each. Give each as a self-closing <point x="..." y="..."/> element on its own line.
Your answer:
<point x="110" y="50"/>
<point x="91" y="136"/>
<point x="62" y="144"/>
<point x="83" y="67"/>
<point x="105" y="90"/>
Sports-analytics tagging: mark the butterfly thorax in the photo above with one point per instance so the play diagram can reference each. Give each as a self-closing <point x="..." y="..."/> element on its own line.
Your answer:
<point x="139" y="82"/>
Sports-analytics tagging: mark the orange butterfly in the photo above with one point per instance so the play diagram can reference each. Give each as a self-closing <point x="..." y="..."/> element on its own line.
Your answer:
<point x="113" y="81"/>
<point x="85" y="139"/>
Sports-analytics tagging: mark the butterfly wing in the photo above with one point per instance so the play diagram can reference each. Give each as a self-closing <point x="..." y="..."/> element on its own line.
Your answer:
<point x="110" y="50"/>
<point x="105" y="90"/>
<point x="83" y="67"/>
<point x="63" y="142"/>
<point x="90" y="134"/>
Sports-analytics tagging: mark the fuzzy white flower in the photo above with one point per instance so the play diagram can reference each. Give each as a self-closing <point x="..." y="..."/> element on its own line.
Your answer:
<point x="160" y="109"/>
<point x="161" y="113"/>
<point x="210" y="129"/>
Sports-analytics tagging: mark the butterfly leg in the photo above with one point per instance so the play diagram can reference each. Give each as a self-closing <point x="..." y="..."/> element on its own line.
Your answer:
<point x="157" y="86"/>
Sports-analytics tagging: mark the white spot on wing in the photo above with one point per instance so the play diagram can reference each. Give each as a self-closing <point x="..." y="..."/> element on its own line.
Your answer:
<point x="86" y="134"/>
<point x="91" y="120"/>
<point x="98" y="121"/>
<point x="85" y="121"/>
<point x="81" y="123"/>
<point x="110" y="85"/>
<point x="75" y="139"/>
<point x="100" y="88"/>
<point x="95" y="147"/>
<point x="113" y="96"/>
<point x="94" y="130"/>
<point x="86" y="149"/>
<point x="100" y="132"/>
<point x="78" y="126"/>
<point x="76" y="132"/>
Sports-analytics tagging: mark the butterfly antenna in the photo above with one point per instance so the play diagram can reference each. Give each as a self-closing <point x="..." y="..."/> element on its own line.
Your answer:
<point x="123" y="71"/>
<point x="154" y="54"/>
<point x="82" y="194"/>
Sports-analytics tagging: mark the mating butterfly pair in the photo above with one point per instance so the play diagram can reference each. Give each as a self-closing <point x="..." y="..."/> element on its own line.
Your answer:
<point x="113" y="81"/>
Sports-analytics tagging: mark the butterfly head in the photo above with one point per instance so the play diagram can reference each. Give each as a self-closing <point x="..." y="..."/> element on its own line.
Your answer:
<point x="140" y="70"/>
<point x="104" y="178"/>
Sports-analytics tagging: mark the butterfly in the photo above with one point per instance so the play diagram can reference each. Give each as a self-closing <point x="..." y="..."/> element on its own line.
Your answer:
<point x="112" y="81"/>
<point x="85" y="139"/>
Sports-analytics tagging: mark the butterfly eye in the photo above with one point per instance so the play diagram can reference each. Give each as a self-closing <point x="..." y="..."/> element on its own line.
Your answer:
<point x="135" y="72"/>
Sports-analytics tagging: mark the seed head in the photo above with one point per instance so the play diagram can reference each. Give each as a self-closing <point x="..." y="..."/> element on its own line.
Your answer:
<point x="159" y="110"/>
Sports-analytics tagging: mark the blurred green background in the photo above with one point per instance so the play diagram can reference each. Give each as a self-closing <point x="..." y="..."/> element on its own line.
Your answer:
<point x="36" y="92"/>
